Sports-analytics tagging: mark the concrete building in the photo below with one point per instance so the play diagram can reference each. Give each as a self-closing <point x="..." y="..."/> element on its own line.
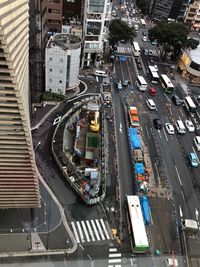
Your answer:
<point x="72" y="11"/>
<point x="189" y="65"/>
<point x="37" y="43"/>
<point x="95" y="28"/>
<point x="192" y="17"/>
<point x="161" y="9"/>
<point x="62" y="60"/>
<point x="18" y="180"/>
<point x="54" y="15"/>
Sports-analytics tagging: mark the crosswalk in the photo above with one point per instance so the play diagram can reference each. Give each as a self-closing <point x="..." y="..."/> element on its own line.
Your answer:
<point x="114" y="258"/>
<point x="124" y="50"/>
<point x="90" y="230"/>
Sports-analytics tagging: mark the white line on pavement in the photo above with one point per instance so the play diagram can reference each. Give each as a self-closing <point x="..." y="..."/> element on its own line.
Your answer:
<point x="75" y="232"/>
<point x="178" y="175"/>
<point x="165" y="134"/>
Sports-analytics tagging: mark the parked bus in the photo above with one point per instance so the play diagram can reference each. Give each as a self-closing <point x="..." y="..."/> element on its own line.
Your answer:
<point x="136" y="49"/>
<point x="143" y="23"/>
<point x="100" y="73"/>
<point x="153" y="74"/>
<point x="190" y="105"/>
<point x="136" y="227"/>
<point x="141" y="83"/>
<point x="166" y="83"/>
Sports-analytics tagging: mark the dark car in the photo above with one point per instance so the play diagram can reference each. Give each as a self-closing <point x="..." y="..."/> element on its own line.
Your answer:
<point x="157" y="123"/>
<point x="139" y="65"/>
<point x="151" y="60"/>
<point x="144" y="34"/>
<point x="176" y="100"/>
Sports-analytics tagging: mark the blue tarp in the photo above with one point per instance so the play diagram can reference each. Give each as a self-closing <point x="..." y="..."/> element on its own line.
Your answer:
<point x="139" y="168"/>
<point x="146" y="211"/>
<point x="134" y="138"/>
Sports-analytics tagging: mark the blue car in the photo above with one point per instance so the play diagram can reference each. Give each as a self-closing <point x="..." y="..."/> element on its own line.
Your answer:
<point x="193" y="159"/>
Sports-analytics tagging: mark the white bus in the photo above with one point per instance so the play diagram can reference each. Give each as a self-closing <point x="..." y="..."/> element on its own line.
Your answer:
<point x="141" y="83"/>
<point x="153" y="74"/>
<point x="136" y="49"/>
<point x="100" y="73"/>
<point x="166" y="83"/>
<point x="143" y="23"/>
<point x="139" y="240"/>
<point x="190" y="105"/>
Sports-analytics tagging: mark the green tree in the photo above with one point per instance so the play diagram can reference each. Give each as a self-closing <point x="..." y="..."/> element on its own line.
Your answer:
<point x="171" y="36"/>
<point x="143" y="5"/>
<point x="119" y="30"/>
<point x="192" y="43"/>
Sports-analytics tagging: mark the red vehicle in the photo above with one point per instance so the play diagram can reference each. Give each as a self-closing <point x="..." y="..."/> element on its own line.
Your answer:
<point x="152" y="91"/>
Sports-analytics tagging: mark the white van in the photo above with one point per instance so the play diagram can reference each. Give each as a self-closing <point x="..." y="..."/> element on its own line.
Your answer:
<point x="180" y="127"/>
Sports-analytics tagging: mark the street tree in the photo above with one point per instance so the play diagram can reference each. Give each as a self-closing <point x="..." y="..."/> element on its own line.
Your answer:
<point x="119" y="30"/>
<point x="170" y="36"/>
<point x="143" y="5"/>
<point x="192" y="43"/>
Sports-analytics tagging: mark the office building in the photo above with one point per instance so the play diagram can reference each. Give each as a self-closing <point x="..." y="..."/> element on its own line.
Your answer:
<point x="192" y="17"/>
<point x="62" y="62"/>
<point x="18" y="180"/>
<point x="54" y="15"/>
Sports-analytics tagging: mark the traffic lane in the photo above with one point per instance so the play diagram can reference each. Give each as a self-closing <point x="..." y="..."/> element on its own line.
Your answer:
<point x="125" y="172"/>
<point x="170" y="148"/>
<point x="118" y="75"/>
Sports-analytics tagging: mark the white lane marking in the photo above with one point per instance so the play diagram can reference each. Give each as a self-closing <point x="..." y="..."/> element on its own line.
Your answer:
<point x="180" y="211"/>
<point x="115" y="255"/>
<point x="100" y="230"/>
<point x="80" y="231"/>
<point x="85" y="231"/>
<point x="114" y="260"/>
<point x="147" y="132"/>
<point x="90" y="230"/>
<point x="118" y="265"/>
<point x="167" y="98"/>
<point x="89" y="257"/>
<point x="95" y="230"/>
<point x="112" y="249"/>
<point x="97" y="79"/>
<point x="178" y="175"/>
<point x="131" y="260"/>
<point x="104" y="228"/>
<point x="75" y="232"/>
<point x="81" y="247"/>
<point x="110" y="265"/>
<point x="165" y="134"/>
<point x="183" y="197"/>
<point x="196" y="154"/>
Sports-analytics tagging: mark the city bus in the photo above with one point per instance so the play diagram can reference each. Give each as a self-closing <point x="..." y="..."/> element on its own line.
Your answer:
<point x="166" y="83"/>
<point x="143" y="23"/>
<point x="136" y="227"/>
<point x="100" y="73"/>
<point x="141" y="83"/>
<point x="153" y="74"/>
<point x="136" y="49"/>
<point x="190" y="105"/>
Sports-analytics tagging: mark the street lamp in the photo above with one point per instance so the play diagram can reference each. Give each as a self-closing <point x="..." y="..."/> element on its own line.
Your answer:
<point x="37" y="145"/>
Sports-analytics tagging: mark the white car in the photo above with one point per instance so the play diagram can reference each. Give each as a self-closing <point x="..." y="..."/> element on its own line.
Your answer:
<point x="197" y="142"/>
<point x="150" y="103"/>
<point x="189" y="125"/>
<point x="170" y="128"/>
<point x="144" y="38"/>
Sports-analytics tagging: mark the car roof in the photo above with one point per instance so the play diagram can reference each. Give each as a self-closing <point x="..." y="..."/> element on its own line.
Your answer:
<point x="193" y="155"/>
<point x="151" y="101"/>
<point x="197" y="138"/>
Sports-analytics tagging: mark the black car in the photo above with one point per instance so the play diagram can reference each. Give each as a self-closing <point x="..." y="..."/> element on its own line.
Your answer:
<point x="157" y="123"/>
<point x="176" y="100"/>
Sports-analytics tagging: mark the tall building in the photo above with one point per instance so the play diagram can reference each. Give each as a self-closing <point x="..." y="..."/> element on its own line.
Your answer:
<point x="37" y="43"/>
<point x="54" y="15"/>
<point x="62" y="62"/>
<point x="94" y="27"/>
<point x="18" y="180"/>
<point x="161" y="9"/>
<point x="72" y="11"/>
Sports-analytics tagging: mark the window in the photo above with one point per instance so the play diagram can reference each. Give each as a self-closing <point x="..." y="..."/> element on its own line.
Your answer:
<point x="60" y="81"/>
<point x="93" y="28"/>
<point x="96" y="6"/>
<point x="50" y="70"/>
<point x="61" y="60"/>
<point x="54" y="1"/>
<point x="50" y="80"/>
<point x="61" y="71"/>
<point x="50" y="59"/>
<point x="72" y="1"/>
<point x="54" y="11"/>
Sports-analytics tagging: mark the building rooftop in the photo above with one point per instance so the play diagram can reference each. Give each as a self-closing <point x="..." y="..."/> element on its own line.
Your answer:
<point x="64" y="41"/>
<point x="195" y="54"/>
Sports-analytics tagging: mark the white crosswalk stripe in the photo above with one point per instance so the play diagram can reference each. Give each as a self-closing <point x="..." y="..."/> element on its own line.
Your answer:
<point x="90" y="230"/>
<point x="114" y="258"/>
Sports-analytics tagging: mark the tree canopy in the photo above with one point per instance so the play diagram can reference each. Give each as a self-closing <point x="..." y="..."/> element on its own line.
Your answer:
<point x="172" y="36"/>
<point x="143" y="5"/>
<point x="192" y="43"/>
<point x="119" y="30"/>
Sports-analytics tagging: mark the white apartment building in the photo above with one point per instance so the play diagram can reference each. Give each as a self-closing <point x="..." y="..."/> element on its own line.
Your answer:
<point x="62" y="60"/>
<point x="96" y="17"/>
